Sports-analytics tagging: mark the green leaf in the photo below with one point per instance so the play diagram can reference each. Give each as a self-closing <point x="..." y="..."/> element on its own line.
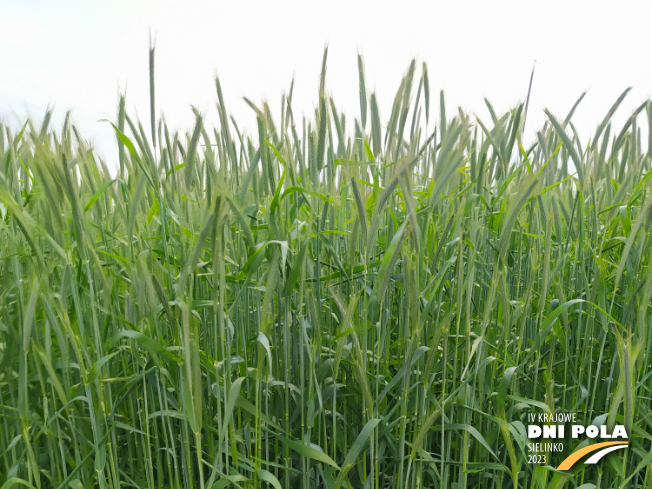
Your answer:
<point x="268" y="477"/>
<point x="295" y="271"/>
<point x="146" y="342"/>
<point x="370" y="154"/>
<point x="311" y="451"/>
<point x="262" y="339"/>
<point x="95" y="371"/>
<point x="98" y="194"/>
<point x="475" y="433"/>
<point x="358" y="445"/>
<point x="153" y="210"/>
<point x="554" y="314"/>
<point x="234" y="393"/>
<point x="15" y="480"/>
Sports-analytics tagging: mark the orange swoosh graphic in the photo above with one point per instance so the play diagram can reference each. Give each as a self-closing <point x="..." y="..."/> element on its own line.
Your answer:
<point x="575" y="456"/>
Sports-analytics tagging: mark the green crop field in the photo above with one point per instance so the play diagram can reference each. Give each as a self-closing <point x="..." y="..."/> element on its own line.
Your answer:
<point x="368" y="302"/>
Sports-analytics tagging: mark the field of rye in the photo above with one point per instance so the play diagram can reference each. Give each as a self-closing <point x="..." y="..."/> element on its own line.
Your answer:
<point x="368" y="302"/>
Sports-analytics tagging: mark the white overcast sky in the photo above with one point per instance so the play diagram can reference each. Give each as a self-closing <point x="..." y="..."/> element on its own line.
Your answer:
<point x="78" y="55"/>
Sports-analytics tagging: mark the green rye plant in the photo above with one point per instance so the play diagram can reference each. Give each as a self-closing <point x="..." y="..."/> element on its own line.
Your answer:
<point x="369" y="302"/>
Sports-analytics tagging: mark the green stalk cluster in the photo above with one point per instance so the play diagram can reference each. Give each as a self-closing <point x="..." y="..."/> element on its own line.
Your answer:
<point x="376" y="304"/>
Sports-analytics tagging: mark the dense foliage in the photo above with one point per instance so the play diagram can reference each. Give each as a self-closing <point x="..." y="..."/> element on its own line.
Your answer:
<point x="327" y="303"/>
